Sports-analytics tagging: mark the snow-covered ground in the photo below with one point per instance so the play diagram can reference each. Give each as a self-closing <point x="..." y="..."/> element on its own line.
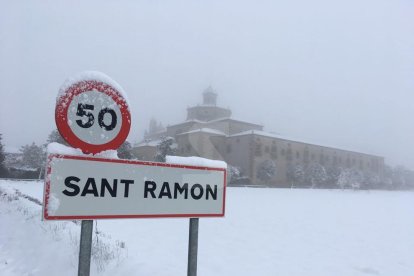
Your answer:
<point x="265" y="232"/>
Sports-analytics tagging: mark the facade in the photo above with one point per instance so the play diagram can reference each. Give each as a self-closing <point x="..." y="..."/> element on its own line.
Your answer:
<point x="210" y="132"/>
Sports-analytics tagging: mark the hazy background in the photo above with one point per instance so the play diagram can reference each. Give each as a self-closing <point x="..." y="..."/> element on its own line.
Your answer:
<point x="338" y="73"/>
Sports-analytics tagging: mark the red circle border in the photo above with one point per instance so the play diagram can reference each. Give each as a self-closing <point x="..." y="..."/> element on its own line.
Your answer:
<point x="61" y="111"/>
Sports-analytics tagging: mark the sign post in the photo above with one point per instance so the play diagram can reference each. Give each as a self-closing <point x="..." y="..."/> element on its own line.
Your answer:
<point x="85" y="248"/>
<point x="192" y="247"/>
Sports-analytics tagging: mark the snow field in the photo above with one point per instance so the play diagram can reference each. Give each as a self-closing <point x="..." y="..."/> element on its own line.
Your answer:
<point x="265" y="232"/>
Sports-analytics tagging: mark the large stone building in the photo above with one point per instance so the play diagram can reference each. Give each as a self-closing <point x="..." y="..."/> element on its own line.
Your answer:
<point x="210" y="132"/>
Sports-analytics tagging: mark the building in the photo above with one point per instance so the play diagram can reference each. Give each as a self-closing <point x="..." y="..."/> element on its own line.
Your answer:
<point x="210" y="132"/>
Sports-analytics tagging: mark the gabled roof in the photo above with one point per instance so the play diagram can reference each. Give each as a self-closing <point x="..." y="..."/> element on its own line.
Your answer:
<point x="205" y="130"/>
<point x="214" y="121"/>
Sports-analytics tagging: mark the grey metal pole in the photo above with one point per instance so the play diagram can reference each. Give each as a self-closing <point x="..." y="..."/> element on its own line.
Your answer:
<point x="85" y="247"/>
<point x="192" y="247"/>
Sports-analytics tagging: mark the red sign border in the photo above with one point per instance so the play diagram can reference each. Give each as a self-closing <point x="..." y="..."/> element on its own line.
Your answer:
<point x="61" y="112"/>
<point x="123" y="161"/>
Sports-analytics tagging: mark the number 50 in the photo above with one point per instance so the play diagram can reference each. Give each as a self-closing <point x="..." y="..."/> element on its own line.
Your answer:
<point x="83" y="110"/>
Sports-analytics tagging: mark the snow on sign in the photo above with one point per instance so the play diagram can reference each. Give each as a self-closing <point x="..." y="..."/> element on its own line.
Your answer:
<point x="92" y="113"/>
<point x="79" y="187"/>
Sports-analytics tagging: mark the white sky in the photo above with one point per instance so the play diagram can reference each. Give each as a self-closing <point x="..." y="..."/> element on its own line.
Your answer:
<point x="336" y="72"/>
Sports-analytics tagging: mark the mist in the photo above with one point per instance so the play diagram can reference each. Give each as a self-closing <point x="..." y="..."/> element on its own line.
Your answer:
<point x="331" y="73"/>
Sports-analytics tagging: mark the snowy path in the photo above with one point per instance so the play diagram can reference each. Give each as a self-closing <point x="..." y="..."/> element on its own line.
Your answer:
<point x="265" y="232"/>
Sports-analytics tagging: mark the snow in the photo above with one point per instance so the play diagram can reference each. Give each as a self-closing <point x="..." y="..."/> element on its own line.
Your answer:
<point x="195" y="161"/>
<point x="53" y="204"/>
<point x="91" y="75"/>
<point x="265" y="232"/>
<point x="56" y="148"/>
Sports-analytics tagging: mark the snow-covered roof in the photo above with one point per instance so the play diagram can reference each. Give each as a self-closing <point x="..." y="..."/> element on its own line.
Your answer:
<point x="154" y="143"/>
<point x="215" y="120"/>
<point x="205" y="130"/>
<point x="282" y="137"/>
<point x="257" y="132"/>
<point x="230" y="119"/>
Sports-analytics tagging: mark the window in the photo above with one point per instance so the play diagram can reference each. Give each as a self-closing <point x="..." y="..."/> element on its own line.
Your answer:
<point x="258" y="150"/>
<point x="289" y="154"/>
<point x="282" y="152"/>
<point x="228" y="148"/>
<point x="267" y="149"/>
<point x="273" y="153"/>
<point x="306" y="155"/>
<point x="297" y="155"/>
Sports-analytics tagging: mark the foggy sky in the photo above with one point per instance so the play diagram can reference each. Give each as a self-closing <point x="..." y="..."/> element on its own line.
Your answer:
<point x="337" y="73"/>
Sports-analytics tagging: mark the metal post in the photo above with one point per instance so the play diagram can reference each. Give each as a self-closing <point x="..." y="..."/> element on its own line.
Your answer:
<point x="192" y="248"/>
<point x="85" y="247"/>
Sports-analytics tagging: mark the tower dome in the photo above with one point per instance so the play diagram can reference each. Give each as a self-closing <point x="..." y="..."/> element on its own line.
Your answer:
<point x="209" y="96"/>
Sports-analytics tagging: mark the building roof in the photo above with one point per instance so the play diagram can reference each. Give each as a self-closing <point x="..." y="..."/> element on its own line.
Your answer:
<point x="205" y="130"/>
<point x="282" y="137"/>
<point x="214" y="121"/>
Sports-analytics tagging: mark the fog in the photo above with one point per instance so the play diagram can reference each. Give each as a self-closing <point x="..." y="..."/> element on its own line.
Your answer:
<point x="330" y="72"/>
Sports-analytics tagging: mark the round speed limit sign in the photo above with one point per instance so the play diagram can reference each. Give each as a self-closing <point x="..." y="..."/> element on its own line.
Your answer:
<point x="92" y="114"/>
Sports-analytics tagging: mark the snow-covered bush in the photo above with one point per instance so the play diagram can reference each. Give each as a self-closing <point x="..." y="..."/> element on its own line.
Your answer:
<point x="350" y="179"/>
<point x="296" y="175"/>
<point x="235" y="175"/>
<point x="315" y="175"/>
<point x="166" y="147"/>
<point x="266" y="170"/>
<point x="3" y="170"/>
<point x="124" y="151"/>
<point x="34" y="156"/>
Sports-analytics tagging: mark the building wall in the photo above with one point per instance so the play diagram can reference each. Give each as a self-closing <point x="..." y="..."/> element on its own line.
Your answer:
<point x="207" y="113"/>
<point x="286" y="153"/>
<point x="237" y="127"/>
<point x="174" y="130"/>
<point x="145" y="153"/>
<point x="198" y="144"/>
<point x="237" y="152"/>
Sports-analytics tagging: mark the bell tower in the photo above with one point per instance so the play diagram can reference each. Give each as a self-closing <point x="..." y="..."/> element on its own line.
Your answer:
<point x="209" y="97"/>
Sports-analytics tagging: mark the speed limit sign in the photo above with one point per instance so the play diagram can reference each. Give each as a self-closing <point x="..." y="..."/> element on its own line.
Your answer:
<point x="92" y="113"/>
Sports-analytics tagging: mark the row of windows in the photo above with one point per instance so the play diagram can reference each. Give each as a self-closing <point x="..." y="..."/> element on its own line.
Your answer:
<point x="307" y="157"/>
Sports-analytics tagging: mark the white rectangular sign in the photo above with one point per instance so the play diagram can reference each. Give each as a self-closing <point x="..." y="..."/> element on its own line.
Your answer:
<point x="95" y="188"/>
